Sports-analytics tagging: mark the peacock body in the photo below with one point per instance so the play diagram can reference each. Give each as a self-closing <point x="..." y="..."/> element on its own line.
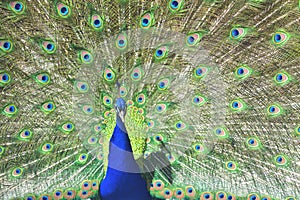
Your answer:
<point x="211" y="89"/>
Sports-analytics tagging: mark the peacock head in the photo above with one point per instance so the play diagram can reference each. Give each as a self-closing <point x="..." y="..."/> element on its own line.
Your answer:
<point x="121" y="108"/>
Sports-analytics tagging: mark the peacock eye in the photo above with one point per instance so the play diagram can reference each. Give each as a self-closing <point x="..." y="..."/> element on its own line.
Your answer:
<point x="48" y="46"/>
<point x="17" y="7"/>
<point x="161" y="52"/>
<point x="6" y="46"/>
<point x="281" y="160"/>
<point x="10" y="110"/>
<point x="109" y="75"/>
<point x="201" y="71"/>
<point x="231" y="166"/>
<point x="282" y="78"/>
<point x="279" y="38"/>
<point x="48" y="107"/>
<point x="158" y="185"/>
<point x="42" y="79"/>
<point x="63" y="10"/>
<point x="85" y="57"/>
<point x="221" y="132"/>
<point x="199" y="100"/>
<point x="253" y="143"/>
<point x="5" y="78"/>
<point x="175" y="5"/>
<point x="238" y="105"/>
<point x="274" y="110"/>
<point x="25" y="134"/>
<point x="107" y="100"/>
<point x="193" y="39"/>
<point x="82" y="86"/>
<point x="243" y="72"/>
<point x="46" y="148"/>
<point x="96" y="22"/>
<point x="253" y="196"/>
<point x="238" y="33"/>
<point x="140" y="99"/>
<point x="147" y="20"/>
<point x="121" y="41"/>
<point x="82" y="158"/>
<point x="163" y="84"/>
<point x="17" y="172"/>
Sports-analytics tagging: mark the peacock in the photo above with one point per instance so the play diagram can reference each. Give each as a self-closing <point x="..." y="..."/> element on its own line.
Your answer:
<point x="141" y="100"/>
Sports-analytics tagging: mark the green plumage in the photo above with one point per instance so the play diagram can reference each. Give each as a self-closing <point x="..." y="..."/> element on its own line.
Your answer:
<point x="212" y="89"/>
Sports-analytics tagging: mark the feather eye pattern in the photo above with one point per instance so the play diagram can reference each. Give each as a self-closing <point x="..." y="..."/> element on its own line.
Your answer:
<point x="253" y="143"/>
<point x="88" y="109"/>
<point x="67" y="127"/>
<point x="199" y="148"/>
<point x="161" y="52"/>
<point x="243" y="72"/>
<point x="252" y="196"/>
<point x="107" y="100"/>
<point x="42" y="78"/>
<point x="201" y="71"/>
<point x="123" y="91"/>
<point x="275" y="110"/>
<point x="17" y="172"/>
<point x="199" y="100"/>
<point x="175" y="5"/>
<point x="147" y="20"/>
<point x="48" y="46"/>
<point x="30" y="197"/>
<point x="221" y="195"/>
<point x="221" y="132"/>
<point x="109" y="74"/>
<point x="70" y="193"/>
<point x="82" y="86"/>
<point x="180" y="126"/>
<point x="18" y="7"/>
<point x="190" y="192"/>
<point x="206" y="196"/>
<point x="238" y="33"/>
<point x="281" y="160"/>
<point x="10" y="110"/>
<point x="193" y="39"/>
<point x="231" y="166"/>
<point x="58" y="194"/>
<point x="282" y="78"/>
<point x="179" y="193"/>
<point x="164" y="84"/>
<point x="122" y="41"/>
<point x="161" y="107"/>
<point x="96" y="22"/>
<point x="280" y="38"/>
<point x="46" y="148"/>
<point x="137" y="74"/>
<point x="82" y="158"/>
<point x="141" y="98"/>
<point x="85" y="57"/>
<point x="238" y="105"/>
<point x="48" y="107"/>
<point x="63" y="10"/>
<point x="6" y="46"/>
<point x="2" y="149"/>
<point x="92" y="140"/>
<point x="25" y="134"/>
<point x="5" y="78"/>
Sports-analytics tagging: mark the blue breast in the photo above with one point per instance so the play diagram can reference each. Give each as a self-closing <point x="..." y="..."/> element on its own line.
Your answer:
<point x="123" y="180"/>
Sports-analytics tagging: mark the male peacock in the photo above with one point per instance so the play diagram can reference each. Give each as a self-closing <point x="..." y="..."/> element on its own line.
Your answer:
<point x="211" y="89"/>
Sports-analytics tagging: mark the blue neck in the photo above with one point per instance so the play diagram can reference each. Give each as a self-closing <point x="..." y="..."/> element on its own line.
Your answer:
<point x="123" y="180"/>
